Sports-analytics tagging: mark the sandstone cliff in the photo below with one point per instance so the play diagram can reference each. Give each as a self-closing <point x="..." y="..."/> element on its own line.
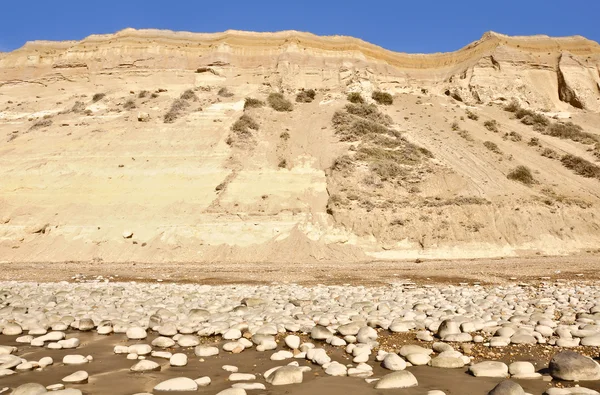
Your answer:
<point x="83" y="179"/>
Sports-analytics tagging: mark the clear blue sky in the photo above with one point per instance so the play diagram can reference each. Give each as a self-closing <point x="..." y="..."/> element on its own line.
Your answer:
<point x="407" y="26"/>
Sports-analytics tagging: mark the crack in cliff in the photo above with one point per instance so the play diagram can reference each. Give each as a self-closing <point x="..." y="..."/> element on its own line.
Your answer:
<point x="565" y="92"/>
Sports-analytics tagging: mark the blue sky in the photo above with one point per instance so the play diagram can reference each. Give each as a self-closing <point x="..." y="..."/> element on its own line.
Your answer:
<point x="408" y="26"/>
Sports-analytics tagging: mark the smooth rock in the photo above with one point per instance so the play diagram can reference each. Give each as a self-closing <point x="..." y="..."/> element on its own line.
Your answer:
<point x="401" y="379"/>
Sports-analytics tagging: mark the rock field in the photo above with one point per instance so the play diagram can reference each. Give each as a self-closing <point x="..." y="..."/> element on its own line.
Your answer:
<point x="138" y="338"/>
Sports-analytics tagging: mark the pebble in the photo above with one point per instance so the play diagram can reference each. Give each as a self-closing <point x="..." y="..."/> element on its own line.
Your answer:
<point x="401" y="379"/>
<point x="79" y="377"/>
<point x="177" y="384"/>
<point x="178" y="359"/>
<point x="145" y="366"/>
<point x="74" y="360"/>
<point x="285" y="375"/>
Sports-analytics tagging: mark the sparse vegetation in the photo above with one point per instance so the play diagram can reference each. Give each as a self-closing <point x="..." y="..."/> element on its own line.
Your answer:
<point x="279" y="103"/>
<point x="513" y="106"/>
<point x="521" y="174"/>
<point x="355" y="97"/>
<point x="284" y="136"/>
<point x="189" y="95"/>
<point x="178" y="106"/>
<point x="513" y="136"/>
<point x="472" y="115"/>
<point x="253" y="103"/>
<point x="550" y="153"/>
<point x="370" y="112"/>
<point x="343" y="164"/>
<point x="143" y="94"/>
<point x="382" y="98"/>
<point x="465" y="135"/>
<point x="581" y="166"/>
<point x="491" y="125"/>
<point x="571" y="131"/>
<point x="492" y="147"/>
<point x="129" y="104"/>
<point x="455" y="126"/>
<point x="98" y="96"/>
<point x="243" y="124"/>
<point x="282" y="164"/>
<point x="42" y="123"/>
<point x="154" y="95"/>
<point x="306" y="96"/>
<point x="224" y="92"/>
<point x="533" y="142"/>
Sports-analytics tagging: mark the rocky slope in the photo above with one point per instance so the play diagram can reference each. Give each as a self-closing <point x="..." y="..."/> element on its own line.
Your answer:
<point x="90" y="170"/>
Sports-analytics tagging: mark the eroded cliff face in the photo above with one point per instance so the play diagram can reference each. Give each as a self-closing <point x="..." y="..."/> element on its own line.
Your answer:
<point x="80" y="173"/>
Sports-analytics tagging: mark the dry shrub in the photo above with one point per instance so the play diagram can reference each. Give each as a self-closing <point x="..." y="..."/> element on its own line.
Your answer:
<point x="370" y="112"/>
<point x="455" y="126"/>
<point x="570" y="131"/>
<point x="284" y="136"/>
<point x="279" y="103"/>
<point x="189" y="95"/>
<point x="513" y="136"/>
<point x="513" y="106"/>
<point x="143" y="94"/>
<point x="492" y="147"/>
<point x="581" y="166"/>
<point x="253" y="103"/>
<point x="282" y="164"/>
<point x="178" y="106"/>
<point x="533" y="142"/>
<point x="465" y="135"/>
<point x="472" y="115"/>
<point x="550" y="153"/>
<point x="306" y="96"/>
<point x="492" y="126"/>
<point x="243" y="124"/>
<point x="224" y="92"/>
<point x="129" y="104"/>
<point x="355" y="98"/>
<point x="382" y="98"/>
<point x="98" y="96"/>
<point x="343" y="164"/>
<point x="521" y="174"/>
<point x="42" y="123"/>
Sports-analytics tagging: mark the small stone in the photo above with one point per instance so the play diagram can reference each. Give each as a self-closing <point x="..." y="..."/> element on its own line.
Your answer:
<point x="241" y="377"/>
<point x="401" y="379"/>
<point x="292" y="341"/>
<point x="177" y="384"/>
<point x="178" y="359"/>
<point x="74" y="360"/>
<point x="136" y="333"/>
<point x="145" y="366"/>
<point x="285" y="375"/>
<point x="203" y="351"/>
<point x="507" y="387"/>
<point x="489" y="369"/>
<point x="80" y="377"/>
<point x="393" y="362"/>
<point x="29" y="389"/>
<point x="203" y="381"/>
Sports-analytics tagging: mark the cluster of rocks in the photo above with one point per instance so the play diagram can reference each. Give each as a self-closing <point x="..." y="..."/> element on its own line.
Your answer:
<point x="352" y="318"/>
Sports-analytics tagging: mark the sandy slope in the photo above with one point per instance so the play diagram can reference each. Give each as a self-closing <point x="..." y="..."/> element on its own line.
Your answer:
<point x="70" y="189"/>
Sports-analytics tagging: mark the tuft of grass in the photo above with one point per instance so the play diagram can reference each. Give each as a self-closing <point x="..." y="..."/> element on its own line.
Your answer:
<point x="472" y="115"/>
<point x="178" y="106"/>
<point x="42" y="123"/>
<point x="581" y="166"/>
<point x="98" y="96"/>
<point x="143" y="94"/>
<point x="534" y="142"/>
<point x="492" y="147"/>
<point x="154" y="95"/>
<point x="224" y="92"/>
<point x="306" y="96"/>
<point x="189" y="95"/>
<point x="382" y="98"/>
<point x="243" y="124"/>
<point x="129" y="104"/>
<point x="513" y="106"/>
<point x="521" y="174"/>
<point x="570" y="131"/>
<point x="513" y="136"/>
<point x="355" y="98"/>
<point x="284" y="136"/>
<point x="455" y="126"/>
<point x="253" y="103"/>
<point x="550" y="153"/>
<point x="282" y="164"/>
<point x="465" y="135"/>
<point x="370" y="112"/>
<point x="491" y="125"/>
<point x="279" y="103"/>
